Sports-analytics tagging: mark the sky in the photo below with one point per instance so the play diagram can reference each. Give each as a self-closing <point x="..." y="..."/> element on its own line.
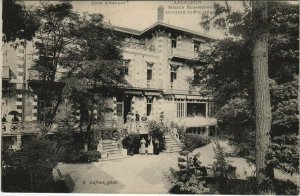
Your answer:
<point x="139" y="15"/>
<point x="142" y="14"/>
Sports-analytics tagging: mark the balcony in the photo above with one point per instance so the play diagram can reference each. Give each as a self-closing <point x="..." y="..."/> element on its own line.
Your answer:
<point x="15" y="128"/>
<point x="34" y="75"/>
<point x="182" y="54"/>
<point x="196" y="121"/>
<point x="145" y="84"/>
<point x="139" y="47"/>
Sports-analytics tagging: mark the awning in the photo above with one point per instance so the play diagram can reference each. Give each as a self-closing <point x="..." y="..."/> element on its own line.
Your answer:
<point x="197" y="97"/>
<point x="198" y="122"/>
<point x="152" y="93"/>
<point x="133" y="92"/>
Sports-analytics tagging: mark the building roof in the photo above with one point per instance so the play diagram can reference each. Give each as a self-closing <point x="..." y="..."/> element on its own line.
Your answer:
<point x="161" y="24"/>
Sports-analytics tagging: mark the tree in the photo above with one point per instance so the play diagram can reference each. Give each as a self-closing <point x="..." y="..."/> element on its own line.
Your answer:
<point x="30" y="169"/>
<point x="18" y="23"/>
<point x="262" y="102"/>
<point x="229" y="74"/>
<point x="94" y="69"/>
<point x="53" y="39"/>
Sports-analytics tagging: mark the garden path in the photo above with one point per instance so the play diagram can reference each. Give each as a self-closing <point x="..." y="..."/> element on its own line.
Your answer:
<point x="145" y="173"/>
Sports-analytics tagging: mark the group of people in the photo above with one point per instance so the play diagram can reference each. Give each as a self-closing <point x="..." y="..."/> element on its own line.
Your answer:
<point x="14" y="119"/>
<point x="135" y="123"/>
<point x="149" y="147"/>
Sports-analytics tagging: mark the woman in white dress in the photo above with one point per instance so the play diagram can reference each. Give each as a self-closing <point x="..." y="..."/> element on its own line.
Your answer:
<point x="150" y="147"/>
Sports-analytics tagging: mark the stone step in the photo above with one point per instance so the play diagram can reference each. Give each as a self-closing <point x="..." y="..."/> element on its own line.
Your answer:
<point x="112" y="158"/>
<point x="173" y="146"/>
<point x="172" y="142"/>
<point x="115" y="156"/>
<point x="110" y="147"/>
<point x="109" y="143"/>
<point x="175" y="143"/>
<point x="173" y="150"/>
<point x="113" y="153"/>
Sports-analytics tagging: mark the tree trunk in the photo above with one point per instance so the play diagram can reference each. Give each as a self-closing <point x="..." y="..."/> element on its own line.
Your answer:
<point x="262" y="101"/>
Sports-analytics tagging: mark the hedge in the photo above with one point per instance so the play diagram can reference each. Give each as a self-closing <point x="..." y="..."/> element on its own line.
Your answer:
<point x="193" y="141"/>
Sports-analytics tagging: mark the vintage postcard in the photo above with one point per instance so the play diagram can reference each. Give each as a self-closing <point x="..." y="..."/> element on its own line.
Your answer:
<point x="150" y="97"/>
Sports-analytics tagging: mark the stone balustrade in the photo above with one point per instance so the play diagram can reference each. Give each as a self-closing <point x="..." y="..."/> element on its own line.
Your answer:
<point x="17" y="127"/>
<point x="139" y="46"/>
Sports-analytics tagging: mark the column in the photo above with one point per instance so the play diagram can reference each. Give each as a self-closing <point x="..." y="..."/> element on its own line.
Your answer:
<point x="206" y="130"/>
<point x="133" y="105"/>
<point x="206" y="110"/>
<point x="114" y="117"/>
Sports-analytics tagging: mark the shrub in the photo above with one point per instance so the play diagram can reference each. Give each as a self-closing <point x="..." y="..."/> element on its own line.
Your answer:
<point x="132" y="143"/>
<point x="107" y="133"/>
<point x="82" y="156"/>
<point x="193" y="141"/>
<point x="189" y="179"/>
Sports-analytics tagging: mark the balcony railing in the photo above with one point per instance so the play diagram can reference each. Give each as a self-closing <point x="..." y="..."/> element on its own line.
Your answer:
<point x="34" y="75"/>
<point x="17" y="127"/>
<point x="139" y="83"/>
<point x="183" y="53"/>
<point x="140" y="46"/>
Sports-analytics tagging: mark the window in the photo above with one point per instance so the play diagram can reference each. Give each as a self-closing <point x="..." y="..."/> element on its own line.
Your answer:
<point x="120" y="109"/>
<point x="119" y="106"/>
<point x="149" y="71"/>
<point x="174" y="43"/>
<point x="21" y="51"/>
<point x="149" y="105"/>
<point x="126" y="67"/>
<point x="173" y="73"/>
<point x="180" y="109"/>
<point x="196" y="109"/>
<point x="196" y="46"/>
<point x="196" y="77"/>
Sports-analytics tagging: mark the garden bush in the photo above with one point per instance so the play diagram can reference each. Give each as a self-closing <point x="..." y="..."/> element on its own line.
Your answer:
<point x="193" y="141"/>
<point x="132" y="143"/>
<point x="82" y="156"/>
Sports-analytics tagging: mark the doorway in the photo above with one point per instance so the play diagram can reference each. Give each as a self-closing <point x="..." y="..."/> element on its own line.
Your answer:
<point x="127" y="106"/>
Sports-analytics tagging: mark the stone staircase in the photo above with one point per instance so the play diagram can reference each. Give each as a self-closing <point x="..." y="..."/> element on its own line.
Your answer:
<point x="172" y="144"/>
<point x="111" y="148"/>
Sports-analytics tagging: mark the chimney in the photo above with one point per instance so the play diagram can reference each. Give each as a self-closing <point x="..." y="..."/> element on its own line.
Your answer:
<point x="160" y="13"/>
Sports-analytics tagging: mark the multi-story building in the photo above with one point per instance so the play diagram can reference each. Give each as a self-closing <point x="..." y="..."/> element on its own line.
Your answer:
<point x="18" y="108"/>
<point x="160" y="78"/>
<point x="156" y="70"/>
